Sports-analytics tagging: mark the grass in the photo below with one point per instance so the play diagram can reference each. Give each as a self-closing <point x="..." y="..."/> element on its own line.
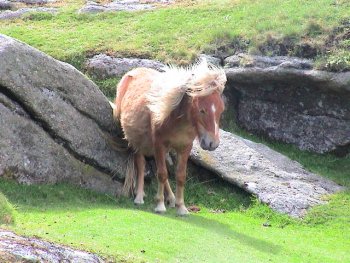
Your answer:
<point x="177" y="33"/>
<point x="228" y="228"/>
<point x="6" y="211"/>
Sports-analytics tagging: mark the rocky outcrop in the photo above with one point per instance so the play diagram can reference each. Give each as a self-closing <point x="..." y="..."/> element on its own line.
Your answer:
<point x="102" y="66"/>
<point x="55" y="125"/>
<point x="8" y="14"/>
<point x="6" y="5"/>
<point x="35" y="2"/>
<point x="14" y="248"/>
<point x="285" y="99"/>
<point x="121" y="5"/>
<point x="275" y="179"/>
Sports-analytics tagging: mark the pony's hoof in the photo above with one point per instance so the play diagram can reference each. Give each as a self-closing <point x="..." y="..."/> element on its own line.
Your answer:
<point x="171" y="201"/>
<point x="138" y="201"/>
<point x="182" y="211"/>
<point x="160" y="208"/>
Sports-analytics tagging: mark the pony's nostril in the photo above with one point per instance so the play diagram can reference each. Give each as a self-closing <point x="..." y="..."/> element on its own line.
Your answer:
<point x="211" y="145"/>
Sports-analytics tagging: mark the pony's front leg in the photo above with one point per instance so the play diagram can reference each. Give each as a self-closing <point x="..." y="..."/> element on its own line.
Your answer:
<point x="162" y="175"/>
<point x="140" y="166"/>
<point x="182" y="158"/>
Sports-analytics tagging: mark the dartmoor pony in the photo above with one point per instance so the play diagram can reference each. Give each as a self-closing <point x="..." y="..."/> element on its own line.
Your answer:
<point x="159" y="111"/>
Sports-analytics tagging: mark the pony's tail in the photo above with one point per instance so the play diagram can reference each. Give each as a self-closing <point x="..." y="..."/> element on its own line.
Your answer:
<point x="130" y="178"/>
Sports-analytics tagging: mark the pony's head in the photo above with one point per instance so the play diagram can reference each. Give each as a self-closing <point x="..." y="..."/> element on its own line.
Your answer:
<point x="206" y="88"/>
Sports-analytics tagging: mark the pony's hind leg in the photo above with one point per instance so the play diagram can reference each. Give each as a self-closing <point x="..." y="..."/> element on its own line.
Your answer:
<point x="140" y="165"/>
<point x="170" y="199"/>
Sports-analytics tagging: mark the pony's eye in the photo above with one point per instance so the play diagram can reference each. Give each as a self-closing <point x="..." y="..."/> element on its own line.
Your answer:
<point x="203" y="111"/>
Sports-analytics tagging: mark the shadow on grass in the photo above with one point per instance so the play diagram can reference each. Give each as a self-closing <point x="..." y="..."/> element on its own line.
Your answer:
<point x="212" y="195"/>
<point x="225" y="230"/>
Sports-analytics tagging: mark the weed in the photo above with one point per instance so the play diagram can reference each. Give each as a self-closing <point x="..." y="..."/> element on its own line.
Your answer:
<point x="7" y="212"/>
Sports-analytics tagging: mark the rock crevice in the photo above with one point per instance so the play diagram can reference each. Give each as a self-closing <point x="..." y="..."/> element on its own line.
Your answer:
<point x="56" y="125"/>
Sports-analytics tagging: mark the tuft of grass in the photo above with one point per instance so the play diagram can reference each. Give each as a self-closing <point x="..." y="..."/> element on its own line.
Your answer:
<point x="314" y="28"/>
<point x="107" y="86"/>
<point x="7" y="211"/>
<point x="38" y="16"/>
<point x="337" y="212"/>
<point x="338" y="62"/>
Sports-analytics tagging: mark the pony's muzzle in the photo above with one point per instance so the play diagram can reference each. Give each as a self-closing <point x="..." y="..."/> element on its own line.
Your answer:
<point x="209" y="144"/>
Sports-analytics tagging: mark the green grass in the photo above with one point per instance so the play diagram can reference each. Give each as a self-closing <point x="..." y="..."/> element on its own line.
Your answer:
<point x="177" y="33"/>
<point x="107" y="86"/>
<point x="228" y="228"/>
<point x="7" y="212"/>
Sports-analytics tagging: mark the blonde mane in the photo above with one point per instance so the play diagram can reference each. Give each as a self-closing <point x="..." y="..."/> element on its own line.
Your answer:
<point x="167" y="91"/>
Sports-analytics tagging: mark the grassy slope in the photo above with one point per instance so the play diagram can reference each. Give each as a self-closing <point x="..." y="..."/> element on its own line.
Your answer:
<point x="118" y="230"/>
<point x="177" y="33"/>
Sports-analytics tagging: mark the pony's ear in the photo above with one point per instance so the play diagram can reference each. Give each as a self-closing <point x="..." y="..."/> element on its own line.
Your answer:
<point x="201" y="67"/>
<point x="214" y="83"/>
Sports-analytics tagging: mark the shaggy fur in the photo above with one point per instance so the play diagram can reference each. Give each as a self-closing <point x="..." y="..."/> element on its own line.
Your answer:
<point x="160" y="111"/>
<point x="169" y="88"/>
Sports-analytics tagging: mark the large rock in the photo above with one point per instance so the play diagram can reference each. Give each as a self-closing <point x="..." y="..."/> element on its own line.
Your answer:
<point x="56" y="125"/>
<point x="14" y="248"/>
<point x="285" y="99"/>
<point x="275" y="179"/>
<point x="35" y="2"/>
<point x="8" y="14"/>
<point x="92" y="7"/>
<point x="102" y="66"/>
<point x="6" y="5"/>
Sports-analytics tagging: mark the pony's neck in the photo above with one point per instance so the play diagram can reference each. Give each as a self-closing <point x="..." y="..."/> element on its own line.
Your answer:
<point x="183" y="110"/>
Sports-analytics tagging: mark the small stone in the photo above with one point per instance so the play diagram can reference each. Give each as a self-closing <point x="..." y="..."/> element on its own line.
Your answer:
<point x="102" y="66"/>
<point x="37" y="250"/>
<point x="21" y="12"/>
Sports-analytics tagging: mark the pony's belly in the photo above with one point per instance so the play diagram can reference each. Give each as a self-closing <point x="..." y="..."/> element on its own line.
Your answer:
<point x="136" y="127"/>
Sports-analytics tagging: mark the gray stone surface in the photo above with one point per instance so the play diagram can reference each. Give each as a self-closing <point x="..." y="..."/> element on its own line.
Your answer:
<point x="102" y="66"/>
<point x="56" y="125"/>
<point x="8" y="14"/>
<point x="6" y="5"/>
<point x="121" y="5"/>
<point x="275" y="179"/>
<point x="14" y="248"/>
<point x="35" y="2"/>
<point x="244" y="60"/>
<point x="284" y="99"/>
<point x="211" y="59"/>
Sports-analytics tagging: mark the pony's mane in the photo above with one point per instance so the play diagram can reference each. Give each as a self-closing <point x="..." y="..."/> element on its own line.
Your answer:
<point x="167" y="91"/>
